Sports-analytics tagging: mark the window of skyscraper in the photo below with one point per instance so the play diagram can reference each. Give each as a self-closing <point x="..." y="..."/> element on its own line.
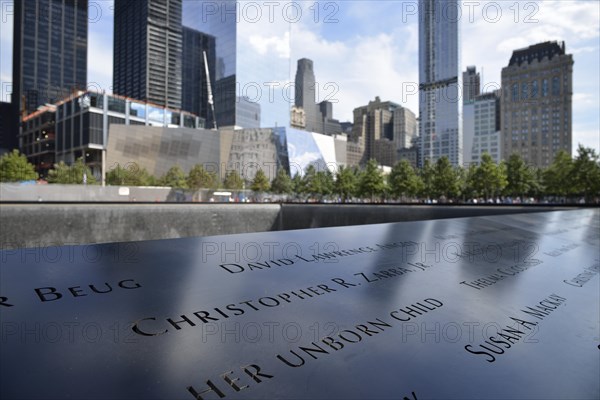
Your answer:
<point x="544" y="87"/>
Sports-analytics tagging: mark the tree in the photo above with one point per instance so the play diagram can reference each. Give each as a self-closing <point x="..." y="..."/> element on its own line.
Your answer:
<point x="14" y="167"/>
<point x="74" y="174"/>
<point x="233" y="180"/>
<point x="175" y="178"/>
<point x="403" y="180"/>
<point x="260" y="182"/>
<point x="345" y="183"/>
<point x="371" y="182"/>
<point x="559" y="176"/>
<point x="131" y="175"/>
<point x="520" y="178"/>
<point x="488" y="179"/>
<point x="428" y="179"/>
<point x="323" y="183"/>
<point x="586" y="173"/>
<point x="298" y="185"/>
<point x="199" y="178"/>
<point x="282" y="183"/>
<point x="445" y="179"/>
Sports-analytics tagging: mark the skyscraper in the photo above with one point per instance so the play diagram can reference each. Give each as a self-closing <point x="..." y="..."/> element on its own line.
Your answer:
<point x="251" y="73"/>
<point x="384" y="127"/>
<point x="536" y="106"/>
<point x="440" y="80"/>
<point x="471" y="84"/>
<point x="49" y="51"/>
<point x="195" y="83"/>
<point x="148" y="51"/>
<point x="305" y="93"/>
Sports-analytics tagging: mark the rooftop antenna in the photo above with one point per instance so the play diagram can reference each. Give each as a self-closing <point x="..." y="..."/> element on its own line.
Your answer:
<point x="210" y="96"/>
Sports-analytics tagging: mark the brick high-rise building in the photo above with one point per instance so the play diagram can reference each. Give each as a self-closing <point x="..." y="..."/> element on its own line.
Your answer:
<point x="536" y="120"/>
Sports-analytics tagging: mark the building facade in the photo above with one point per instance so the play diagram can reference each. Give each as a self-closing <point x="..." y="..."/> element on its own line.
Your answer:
<point x="195" y="88"/>
<point x="440" y="81"/>
<point x="9" y="129"/>
<point x="486" y="128"/>
<point x="49" y="54"/>
<point x="148" y="48"/>
<point x="536" y="103"/>
<point x="471" y="84"/>
<point x="305" y="95"/>
<point x="385" y="127"/>
<point x="79" y="127"/>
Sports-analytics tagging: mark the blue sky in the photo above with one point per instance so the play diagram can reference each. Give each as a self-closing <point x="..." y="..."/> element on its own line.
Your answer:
<point x="363" y="49"/>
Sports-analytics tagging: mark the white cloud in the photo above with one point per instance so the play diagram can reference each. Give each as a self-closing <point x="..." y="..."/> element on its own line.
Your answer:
<point x="280" y="46"/>
<point x="360" y="67"/>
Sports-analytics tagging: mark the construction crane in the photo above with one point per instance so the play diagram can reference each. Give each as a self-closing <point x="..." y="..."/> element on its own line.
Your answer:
<point x="210" y="96"/>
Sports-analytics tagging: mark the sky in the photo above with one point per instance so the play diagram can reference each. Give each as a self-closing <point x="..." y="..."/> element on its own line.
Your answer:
<point x="364" y="49"/>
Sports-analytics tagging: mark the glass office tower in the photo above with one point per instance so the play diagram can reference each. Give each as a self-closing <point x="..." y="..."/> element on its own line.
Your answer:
<point x="148" y="51"/>
<point x="49" y="51"/>
<point x="252" y="80"/>
<point x="440" y="81"/>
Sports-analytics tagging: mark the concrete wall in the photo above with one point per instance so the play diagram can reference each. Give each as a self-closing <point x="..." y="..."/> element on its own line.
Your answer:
<point x="302" y="216"/>
<point x="36" y="225"/>
<point x="43" y="224"/>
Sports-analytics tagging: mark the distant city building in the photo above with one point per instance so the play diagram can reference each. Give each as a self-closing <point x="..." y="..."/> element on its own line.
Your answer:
<point x="468" y="124"/>
<point x="411" y="154"/>
<point x="440" y="81"/>
<point x="317" y="117"/>
<point x="77" y="126"/>
<point x="327" y="124"/>
<point x="486" y="128"/>
<point x="305" y="96"/>
<point x="536" y="106"/>
<point x="471" y="84"/>
<point x="148" y="51"/>
<point x="194" y="90"/>
<point x="49" y="56"/>
<point x="385" y="127"/>
<point x="247" y="113"/>
<point x="298" y="118"/>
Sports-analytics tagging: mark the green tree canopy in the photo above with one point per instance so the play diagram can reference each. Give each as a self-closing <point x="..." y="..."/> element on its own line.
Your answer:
<point x="298" y="185"/>
<point x="404" y="181"/>
<point x="559" y="176"/>
<point x="346" y="183"/>
<point x="488" y="179"/>
<point x="175" y="178"/>
<point x="199" y="178"/>
<point x="282" y="183"/>
<point x="130" y="175"/>
<point x="14" y="167"/>
<point x="233" y="180"/>
<point x="446" y="181"/>
<point x="520" y="178"/>
<point x="74" y="174"/>
<point x="427" y="175"/>
<point x="260" y="182"/>
<point x="371" y="181"/>
<point x="586" y="173"/>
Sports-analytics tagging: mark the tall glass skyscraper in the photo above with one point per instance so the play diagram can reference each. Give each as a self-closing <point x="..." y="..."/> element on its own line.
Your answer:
<point x="252" y="85"/>
<point x="49" y="51"/>
<point x="440" y="81"/>
<point x="148" y="51"/>
<point x="195" y="93"/>
<point x="305" y="93"/>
